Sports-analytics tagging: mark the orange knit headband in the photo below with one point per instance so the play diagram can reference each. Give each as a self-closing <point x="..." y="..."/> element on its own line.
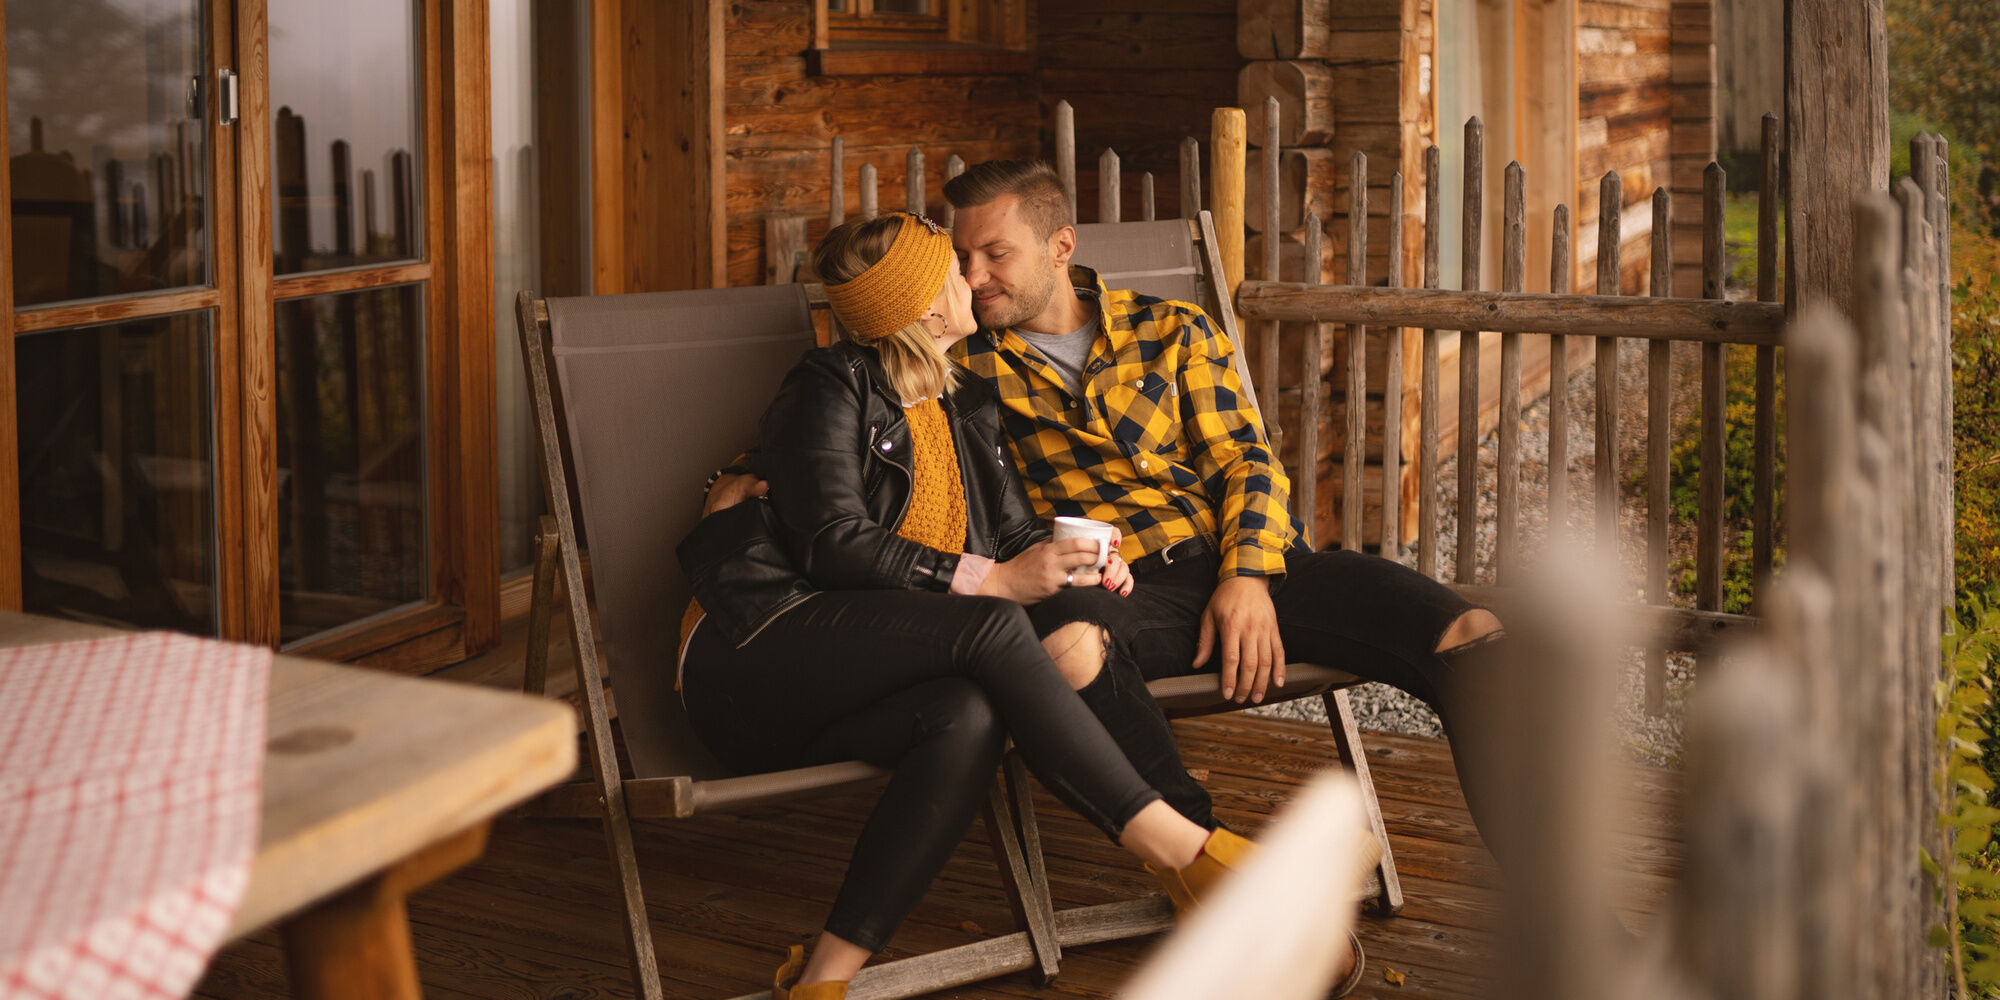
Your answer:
<point x="898" y="289"/>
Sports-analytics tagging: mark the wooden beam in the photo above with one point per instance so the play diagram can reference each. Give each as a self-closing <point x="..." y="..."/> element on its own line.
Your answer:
<point x="10" y="466"/>
<point x="1836" y="140"/>
<point x="1698" y="320"/>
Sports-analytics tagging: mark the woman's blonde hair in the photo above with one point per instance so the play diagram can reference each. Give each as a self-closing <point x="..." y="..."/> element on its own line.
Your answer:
<point x="916" y="366"/>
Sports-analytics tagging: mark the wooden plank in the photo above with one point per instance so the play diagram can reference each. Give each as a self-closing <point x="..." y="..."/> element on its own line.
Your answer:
<point x="1560" y="274"/>
<point x="357" y="279"/>
<point x="1763" y="498"/>
<point x="884" y="61"/>
<point x="954" y="165"/>
<point x="1391" y="544"/>
<point x="1147" y="208"/>
<point x="1312" y="392"/>
<point x="10" y="443"/>
<point x="1308" y="181"/>
<point x="1606" y="471"/>
<point x="1513" y="278"/>
<point x="869" y="193"/>
<point x="1659" y="443"/>
<point x="1427" y="388"/>
<point x="1109" y="187"/>
<point x="1470" y="243"/>
<point x="1714" y="401"/>
<point x="1066" y="152"/>
<point x="1354" y="451"/>
<point x="256" y="343"/>
<point x="123" y="309"/>
<point x="913" y="182"/>
<point x="1190" y="177"/>
<point x="1269" y="333"/>
<point x="784" y="248"/>
<point x="1226" y="192"/>
<point x="1836" y="84"/>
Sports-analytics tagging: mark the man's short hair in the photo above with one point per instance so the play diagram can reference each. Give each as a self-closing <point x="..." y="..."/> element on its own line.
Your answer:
<point x="1043" y="205"/>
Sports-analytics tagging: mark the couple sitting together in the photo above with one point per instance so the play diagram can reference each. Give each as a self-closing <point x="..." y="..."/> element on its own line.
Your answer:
<point x="895" y="594"/>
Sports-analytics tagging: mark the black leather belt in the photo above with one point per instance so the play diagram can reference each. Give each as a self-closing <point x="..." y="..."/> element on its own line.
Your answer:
<point x="1186" y="548"/>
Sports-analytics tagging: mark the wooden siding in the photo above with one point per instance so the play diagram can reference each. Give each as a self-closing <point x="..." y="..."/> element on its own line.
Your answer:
<point x="1625" y="110"/>
<point x="779" y="124"/>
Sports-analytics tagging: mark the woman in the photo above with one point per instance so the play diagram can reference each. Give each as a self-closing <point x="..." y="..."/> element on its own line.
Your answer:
<point x="900" y="637"/>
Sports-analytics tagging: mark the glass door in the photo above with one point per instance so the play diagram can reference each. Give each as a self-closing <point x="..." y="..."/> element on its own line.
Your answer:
<point x="351" y="277"/>
<point x="120" y="291"/>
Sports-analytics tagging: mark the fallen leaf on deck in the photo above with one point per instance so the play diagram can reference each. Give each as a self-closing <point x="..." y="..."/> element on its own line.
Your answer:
<point x="1395" y="978"/>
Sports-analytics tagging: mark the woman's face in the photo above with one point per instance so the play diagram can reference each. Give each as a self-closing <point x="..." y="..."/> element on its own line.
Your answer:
<point x="954" y="305"/>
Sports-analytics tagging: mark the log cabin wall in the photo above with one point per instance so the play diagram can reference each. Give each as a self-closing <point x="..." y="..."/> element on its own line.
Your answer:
<point x="780" y="121"/>
<point x="1141" y="75"/>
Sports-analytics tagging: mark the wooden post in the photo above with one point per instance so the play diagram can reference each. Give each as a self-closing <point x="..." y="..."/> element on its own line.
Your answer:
<point x="1714" y="405"/>
<point x="1392" y="392"/>
<point x="784" y="248"/>
<point x="1190" y="177"/>
<point x="1610" y="208"/>
<point x="1066" y="152"/>
<point x="1513" y="278"/>
<point x="1559" y="284"/>
<point x="913" y="182"/>
<point x="1764" y="475"/>
<point x="836" y="205"/>
<point x="1659" y="442"/>
<point x="1468" y="357"/>
<point x="1146" y="209"/>
<point x="1354" y="451"/>
<point x="1836" y="139"/>
<point x="1108" y="181"/>
<point x="1267" y="356"/>
<point x="1427" y="386"/>
<point x="1227" y="194"/>
<point x="1312" y="389"/>
<point x="868" y="192"/>
<point x="953" y="166"/>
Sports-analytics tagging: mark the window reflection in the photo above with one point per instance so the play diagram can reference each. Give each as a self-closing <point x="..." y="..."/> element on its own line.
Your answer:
<point x="346" y="182"/>
<point x="351" y="504"/>
<point x="109" y="160"/>
<point x="117" y="482"/>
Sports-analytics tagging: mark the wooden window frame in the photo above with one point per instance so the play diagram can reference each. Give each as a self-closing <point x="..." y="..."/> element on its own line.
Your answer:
<point x="965" y="37"/>
<point x="462" y="612"/>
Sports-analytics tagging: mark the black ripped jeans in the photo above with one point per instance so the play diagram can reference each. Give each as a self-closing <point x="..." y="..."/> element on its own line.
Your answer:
<point x="1369" y="616"/>
<point x="927" y="684"/>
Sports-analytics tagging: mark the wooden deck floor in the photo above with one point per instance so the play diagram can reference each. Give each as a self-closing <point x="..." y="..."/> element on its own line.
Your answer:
<point x="536" y="917"/>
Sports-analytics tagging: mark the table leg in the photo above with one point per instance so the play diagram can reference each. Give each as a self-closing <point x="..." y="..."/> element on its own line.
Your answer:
<point x="356" y="943"/>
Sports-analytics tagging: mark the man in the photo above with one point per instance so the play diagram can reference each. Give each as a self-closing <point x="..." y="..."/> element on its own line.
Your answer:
<point x="1125" y="408"/>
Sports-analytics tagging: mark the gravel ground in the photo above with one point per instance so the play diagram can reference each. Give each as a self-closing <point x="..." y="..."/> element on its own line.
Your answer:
<point x="1652" y="739"/>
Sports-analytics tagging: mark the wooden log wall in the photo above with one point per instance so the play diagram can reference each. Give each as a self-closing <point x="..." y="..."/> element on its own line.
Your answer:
<point x="1348" y="77"/>
<point x="1176" y="59"/>
<point x="1693" y="129"/>
<point x="1624" y="110"/>
<point x="780" y="122"/>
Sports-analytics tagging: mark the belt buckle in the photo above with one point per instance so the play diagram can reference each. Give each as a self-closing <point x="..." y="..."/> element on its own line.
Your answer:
<point x="1167" y="557"/>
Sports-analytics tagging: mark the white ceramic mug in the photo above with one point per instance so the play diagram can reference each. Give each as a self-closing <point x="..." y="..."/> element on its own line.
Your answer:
<point x="1097" y="531"/>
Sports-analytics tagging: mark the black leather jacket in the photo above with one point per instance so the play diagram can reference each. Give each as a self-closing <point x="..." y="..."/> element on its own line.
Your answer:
<point x="835" y="447"/>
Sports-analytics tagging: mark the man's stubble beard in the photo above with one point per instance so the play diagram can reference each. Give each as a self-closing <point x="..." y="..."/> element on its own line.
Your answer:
<point x="1028" y="302"/>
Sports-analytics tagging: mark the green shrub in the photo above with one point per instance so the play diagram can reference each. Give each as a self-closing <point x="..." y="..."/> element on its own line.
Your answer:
<point x="1966" y="727"/>
<point x="1738" y="477"/>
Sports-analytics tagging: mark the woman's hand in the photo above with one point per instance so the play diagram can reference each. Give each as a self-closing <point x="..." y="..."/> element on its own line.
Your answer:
<point x="1044" y="568"/>
<point x="1117" y="575"/>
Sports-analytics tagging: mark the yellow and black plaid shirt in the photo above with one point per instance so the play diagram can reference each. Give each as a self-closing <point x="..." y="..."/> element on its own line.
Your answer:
<point x="1163" y="443"/>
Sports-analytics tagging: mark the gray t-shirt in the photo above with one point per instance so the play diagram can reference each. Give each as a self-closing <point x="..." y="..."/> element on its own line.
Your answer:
<point x="1065" y="352"/>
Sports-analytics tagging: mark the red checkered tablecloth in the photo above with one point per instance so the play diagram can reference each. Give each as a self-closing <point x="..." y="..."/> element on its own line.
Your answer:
<point x="129" y="797"/>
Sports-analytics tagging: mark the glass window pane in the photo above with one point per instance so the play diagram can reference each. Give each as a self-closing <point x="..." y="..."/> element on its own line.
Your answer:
<point x="351" y="484"/>
<point x="109" y="155"/>
<point x="117" y="479"/>
<point x="541" y="218"/>
<point x="345" y="141"/>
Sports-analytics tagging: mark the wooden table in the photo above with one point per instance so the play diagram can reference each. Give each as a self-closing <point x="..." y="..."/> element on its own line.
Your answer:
<point x="374" y="784"/>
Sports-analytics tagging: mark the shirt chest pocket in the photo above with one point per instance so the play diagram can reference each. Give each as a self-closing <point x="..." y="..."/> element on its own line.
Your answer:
<point x="1145" y="412"/>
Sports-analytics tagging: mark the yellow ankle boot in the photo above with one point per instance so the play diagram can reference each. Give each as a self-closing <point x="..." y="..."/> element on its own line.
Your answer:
<point x="1221" y="854"/>
<point x="782" y="987"/>
<point x="1225" y="852"/>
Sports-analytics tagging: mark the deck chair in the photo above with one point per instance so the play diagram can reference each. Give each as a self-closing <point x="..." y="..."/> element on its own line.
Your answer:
<point x="637" y="398"/>
<point x="1175" y="259"/>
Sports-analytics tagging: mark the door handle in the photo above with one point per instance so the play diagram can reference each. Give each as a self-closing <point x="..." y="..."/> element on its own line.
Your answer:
<point x="226" y="97"/>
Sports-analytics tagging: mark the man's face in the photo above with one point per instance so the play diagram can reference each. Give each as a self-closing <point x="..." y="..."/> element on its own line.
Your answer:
<point x="1013" y="273"/>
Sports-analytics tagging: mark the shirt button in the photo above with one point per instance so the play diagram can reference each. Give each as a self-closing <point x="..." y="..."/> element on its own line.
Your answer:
<point x="1142" y="463"/>
<point x="1138" y="383"/>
